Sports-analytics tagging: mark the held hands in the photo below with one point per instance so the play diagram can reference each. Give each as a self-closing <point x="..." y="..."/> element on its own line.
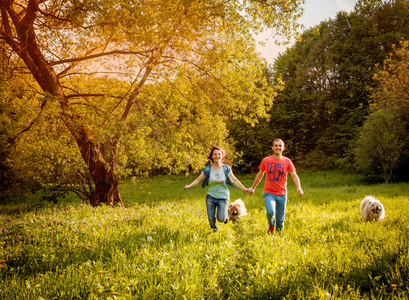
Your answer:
<point x="250" y="191"/>
<point x="246" y="190"/>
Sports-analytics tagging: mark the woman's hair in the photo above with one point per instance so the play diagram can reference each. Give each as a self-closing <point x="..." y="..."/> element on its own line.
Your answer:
<point x="214" y="147"/>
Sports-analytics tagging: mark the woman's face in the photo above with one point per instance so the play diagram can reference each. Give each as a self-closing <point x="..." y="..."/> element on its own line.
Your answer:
<point x="217" y="155"/>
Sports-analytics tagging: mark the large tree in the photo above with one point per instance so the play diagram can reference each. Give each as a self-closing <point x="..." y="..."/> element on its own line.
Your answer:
<point x="163" y="57"/>
<point x="380" y="143"/>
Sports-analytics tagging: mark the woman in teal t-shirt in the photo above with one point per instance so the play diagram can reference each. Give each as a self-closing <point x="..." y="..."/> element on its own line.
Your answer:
<point x="217" y="177"/>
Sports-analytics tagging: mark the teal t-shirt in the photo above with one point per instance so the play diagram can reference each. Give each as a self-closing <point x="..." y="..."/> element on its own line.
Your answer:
<point x="217" y="184"/>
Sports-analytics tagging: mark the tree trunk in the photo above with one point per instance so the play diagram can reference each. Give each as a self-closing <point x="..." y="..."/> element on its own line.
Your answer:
<point x="387" y="177"/>
<point x="103" y="174"/>
<point x="23" y="41"/>
<point x="106" y="190"/>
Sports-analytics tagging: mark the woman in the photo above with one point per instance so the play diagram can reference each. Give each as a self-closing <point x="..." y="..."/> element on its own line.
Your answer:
<point x="217" y="176"/>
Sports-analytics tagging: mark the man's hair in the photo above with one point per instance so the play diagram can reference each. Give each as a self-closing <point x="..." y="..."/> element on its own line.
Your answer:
<point x="278" y="140"/>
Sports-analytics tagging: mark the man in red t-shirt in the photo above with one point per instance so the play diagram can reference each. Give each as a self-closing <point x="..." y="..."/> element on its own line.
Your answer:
<point x="276" y="168"/>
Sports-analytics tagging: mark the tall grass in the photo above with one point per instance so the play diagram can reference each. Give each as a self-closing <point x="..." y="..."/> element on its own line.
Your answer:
<point x="160" y="245"/>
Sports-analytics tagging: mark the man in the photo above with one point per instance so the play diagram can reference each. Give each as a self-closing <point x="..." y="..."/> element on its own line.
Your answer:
<point x="276" y="168"/>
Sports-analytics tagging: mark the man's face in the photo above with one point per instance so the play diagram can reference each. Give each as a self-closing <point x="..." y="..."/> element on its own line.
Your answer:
<point x="278" y="147"/>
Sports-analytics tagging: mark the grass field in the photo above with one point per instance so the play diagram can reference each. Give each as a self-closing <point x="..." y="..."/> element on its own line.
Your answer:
<point x="160" y="245"/>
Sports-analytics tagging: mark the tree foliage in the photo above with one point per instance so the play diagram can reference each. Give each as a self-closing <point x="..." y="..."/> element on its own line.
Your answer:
<point x="393" y="78"/>
<point x="380" y="143"/>
<point x="327" y="76"/>
<point x="135" y="83"/>
<point x="383" y="141"/>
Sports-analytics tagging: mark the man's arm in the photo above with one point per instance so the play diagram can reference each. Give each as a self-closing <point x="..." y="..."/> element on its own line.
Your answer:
<point x="297" y="183"/>
<point x="257" y="180"/>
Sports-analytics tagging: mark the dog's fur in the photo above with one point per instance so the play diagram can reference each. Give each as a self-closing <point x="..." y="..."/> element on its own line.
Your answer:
<point x="372" y="209"/>
<point x="236" y="210"/>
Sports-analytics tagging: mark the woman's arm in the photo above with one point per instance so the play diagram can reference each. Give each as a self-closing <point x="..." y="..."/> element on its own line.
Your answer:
<point x="196" y="181"/>
<point x="237" y="182"/>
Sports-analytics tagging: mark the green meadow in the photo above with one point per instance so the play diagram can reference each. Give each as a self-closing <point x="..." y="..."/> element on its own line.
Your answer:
<point x="160" y="246"/>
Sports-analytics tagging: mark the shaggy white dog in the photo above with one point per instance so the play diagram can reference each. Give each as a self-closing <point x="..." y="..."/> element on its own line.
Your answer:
<point x="372" y="209"/>
<point x="236" y="210"/>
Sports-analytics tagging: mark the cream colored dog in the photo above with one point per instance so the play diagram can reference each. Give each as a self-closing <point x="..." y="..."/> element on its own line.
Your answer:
<point x="372" y="209"/>
<point x="236" y="210"/>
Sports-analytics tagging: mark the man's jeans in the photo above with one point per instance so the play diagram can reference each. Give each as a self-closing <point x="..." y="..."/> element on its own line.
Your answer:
<point x="275" y="205"/>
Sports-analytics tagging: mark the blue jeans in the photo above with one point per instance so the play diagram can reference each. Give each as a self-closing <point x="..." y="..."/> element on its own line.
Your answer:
<point x="213" y="204"/>
<point x="275" y="205"/>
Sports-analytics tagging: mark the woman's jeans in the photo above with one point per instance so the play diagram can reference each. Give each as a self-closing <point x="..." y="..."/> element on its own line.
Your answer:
<point x="213" y="204"/>
<point x="275" y="205"/>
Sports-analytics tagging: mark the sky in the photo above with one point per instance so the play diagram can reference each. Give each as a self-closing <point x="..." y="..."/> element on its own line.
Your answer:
<point x="315" y="11"/>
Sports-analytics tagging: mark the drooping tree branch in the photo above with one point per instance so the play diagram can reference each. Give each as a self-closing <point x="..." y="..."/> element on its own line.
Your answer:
<point x="108" y="53"/>
<point x="84" y="95"/>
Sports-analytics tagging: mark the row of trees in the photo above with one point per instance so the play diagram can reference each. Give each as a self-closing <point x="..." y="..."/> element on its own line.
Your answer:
<point x="94" y="90"/>
<point x="331" y="75"/>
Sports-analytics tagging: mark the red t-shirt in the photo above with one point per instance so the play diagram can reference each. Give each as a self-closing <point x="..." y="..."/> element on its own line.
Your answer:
<point x="276" y="174"/>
